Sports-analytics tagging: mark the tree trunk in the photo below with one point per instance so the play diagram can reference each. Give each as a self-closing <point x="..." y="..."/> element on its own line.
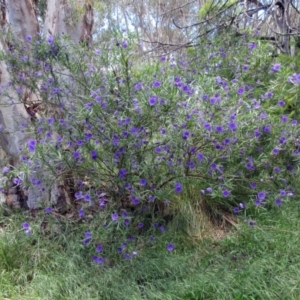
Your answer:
<point x="20" y="19"/>
<point x="75" y="21"/>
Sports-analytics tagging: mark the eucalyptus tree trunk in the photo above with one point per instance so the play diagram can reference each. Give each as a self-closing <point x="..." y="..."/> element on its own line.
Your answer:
<point x="20" y="19"/>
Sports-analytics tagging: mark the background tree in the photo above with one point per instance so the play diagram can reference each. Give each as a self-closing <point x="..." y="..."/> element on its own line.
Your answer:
<point x="165" y="26"/>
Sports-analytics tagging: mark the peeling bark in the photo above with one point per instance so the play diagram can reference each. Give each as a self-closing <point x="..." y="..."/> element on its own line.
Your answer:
<point x="22" y="18"/>
<point x="11" y="116"/>
<point x="18" y="17"/>
<point x="76" y="22"/>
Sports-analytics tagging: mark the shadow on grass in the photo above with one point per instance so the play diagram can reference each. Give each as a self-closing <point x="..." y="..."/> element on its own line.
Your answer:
<point x="260" y="262"/>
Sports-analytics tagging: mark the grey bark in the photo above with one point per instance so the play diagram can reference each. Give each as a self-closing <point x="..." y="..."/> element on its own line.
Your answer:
<point x="19" y="19"/>
<point x="63" y="18"/>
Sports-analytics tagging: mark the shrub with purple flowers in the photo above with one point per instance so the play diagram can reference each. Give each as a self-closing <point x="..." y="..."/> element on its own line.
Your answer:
<point x="132" y="135"/>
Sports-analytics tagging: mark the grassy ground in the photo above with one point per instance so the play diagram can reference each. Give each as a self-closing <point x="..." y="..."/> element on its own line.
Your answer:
<point x="260" y="262"/>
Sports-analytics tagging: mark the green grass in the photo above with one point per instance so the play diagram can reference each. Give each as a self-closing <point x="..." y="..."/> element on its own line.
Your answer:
<point x="260" y="262"/>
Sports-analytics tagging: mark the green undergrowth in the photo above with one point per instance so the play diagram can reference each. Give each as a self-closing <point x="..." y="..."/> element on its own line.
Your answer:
<point x="259" y="262"/>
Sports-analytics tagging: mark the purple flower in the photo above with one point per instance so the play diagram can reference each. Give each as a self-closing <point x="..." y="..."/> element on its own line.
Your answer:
<point x="48" y="210"/>
<point x="261" y="195"/>
<point x="102" y="202"/>
<point x="186" y="134"/>
<point x="99" y="248"/>
<point x="205" y="97"/>
<point x="93" y="154"/>
<point x="126" y="222"/>
<point x="157" y="149"/>
<point x="281" y="103"/>
<point x="140" y="225"/>
<point x="114" y="217"/>
<point x="31" y="145"/>
<point x="152" y="100"/>
<point x="127" y="256"/>
<point x="98" y="260"/>
<point x="207" y="126"/>
<point x="87" y="197"/>
<point x="192" y="149"/>
<point x="138" y="86"/>
<point x="245" y="67"/>
<point x="125" y="134"/>
<point x="131" y="238"/>
<point x="257" y="133"/>
<point x="151" y="198"/>
<point x="278" y="201"/>
<point x="124" y="44"/>
<point x="79" y="142"/>
<point x="76" y="154"/>
<point x="213" y="100"/>
<point x="177" y="80"/>
<point x="190" y="164"/>
<point x="249" y="166"/>
<point x="209" y="190"/>
<point x="59" y="139"/>
<point x="50" y="39"/>
<point x="78" y="195"/>
<point x="17" y="181"/>
<point x="25" y="226"/>
<point x="276" y="67"/>
<point x="122" y="173"/>
<point x="252" y="46"/>
<point x="5" y="170"/>
<point x="257" y="202"/>
<point x="86" y="242"/>
<point x="268" y="95"/>
<point x="135" y="200"/>
<point x="155" y="224"/>
<point x="294" y="122"/>
<point x="284" y="118"/>
<point x="232" y="126"/>
<point x="218" y="128"/>
<point x="178" y="188"/>
<point x="156" y="84"/>
<point x="282" y="193"/>
<point x="87" y="235"/>
<point x="170" y="247"/>
<point x="240" y="91"/>
<point x="162" y="228"/>
<point x="251" y="223"/>
<point x="213" y="166"/>
<point x="163" y="131"/>
<point x="200" y="156"/>
<point x="236" y="210"/>
<point x="81" y="213"/>
<point x="282" y="139"/>
<point x="143" y="182"/>
<point x="226" y="193"/>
